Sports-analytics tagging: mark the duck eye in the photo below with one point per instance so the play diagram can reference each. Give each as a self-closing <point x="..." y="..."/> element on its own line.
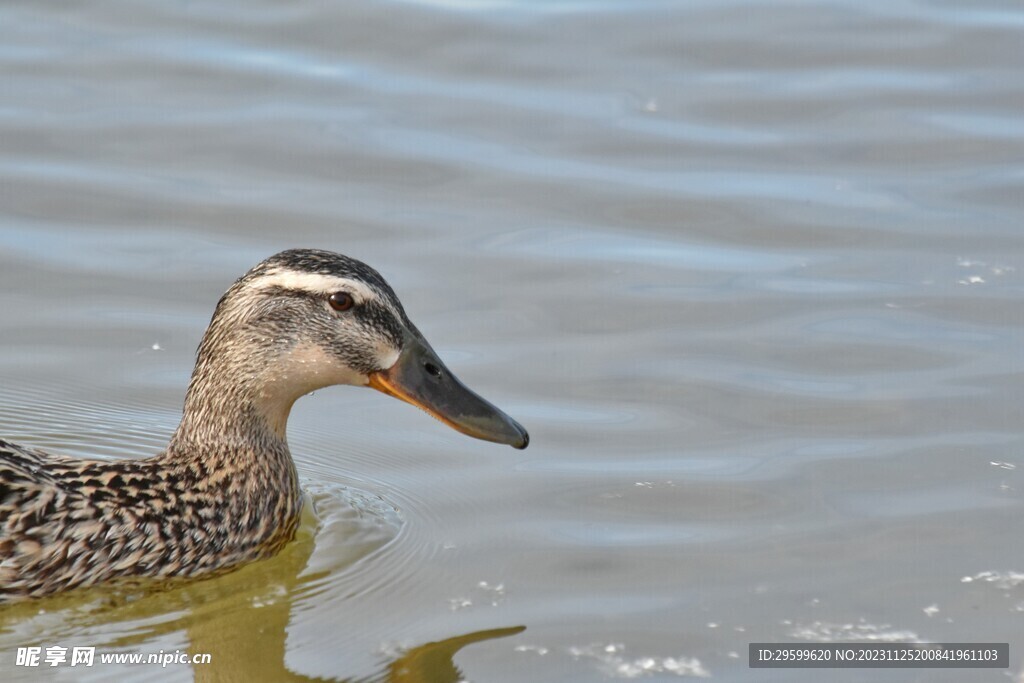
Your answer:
<point x="341" y="301"/>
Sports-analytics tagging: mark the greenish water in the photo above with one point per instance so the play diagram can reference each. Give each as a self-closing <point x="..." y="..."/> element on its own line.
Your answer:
<point x="750" y="273"/>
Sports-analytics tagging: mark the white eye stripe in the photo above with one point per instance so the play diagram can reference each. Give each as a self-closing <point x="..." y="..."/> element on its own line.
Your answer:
<point x="315" y="283"/>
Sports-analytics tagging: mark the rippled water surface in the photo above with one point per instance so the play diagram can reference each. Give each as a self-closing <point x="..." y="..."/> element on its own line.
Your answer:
<point x="750" y="273"/>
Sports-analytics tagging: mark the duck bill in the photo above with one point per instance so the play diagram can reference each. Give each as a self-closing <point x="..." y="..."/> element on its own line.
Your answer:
<point x="420" y="378"/>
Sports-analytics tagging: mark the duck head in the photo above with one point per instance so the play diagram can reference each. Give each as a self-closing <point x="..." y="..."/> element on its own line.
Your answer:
<point x="305" y="319"/>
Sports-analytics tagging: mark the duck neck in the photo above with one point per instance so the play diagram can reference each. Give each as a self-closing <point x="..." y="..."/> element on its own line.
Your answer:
<point x="226" y="447"/>
<point x="231" y="408"/>
<point x="219" y="419"/>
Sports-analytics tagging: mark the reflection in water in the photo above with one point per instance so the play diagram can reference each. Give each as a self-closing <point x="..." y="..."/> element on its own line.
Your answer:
<point x="240" y="619"/>
<point x="433" y="661"/>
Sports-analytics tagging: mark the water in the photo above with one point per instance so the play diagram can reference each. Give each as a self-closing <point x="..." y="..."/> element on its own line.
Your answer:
<point x="750" y="273"/>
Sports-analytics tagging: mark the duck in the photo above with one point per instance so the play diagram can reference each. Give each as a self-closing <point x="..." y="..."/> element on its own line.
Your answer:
<point x="225" y="491"/>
